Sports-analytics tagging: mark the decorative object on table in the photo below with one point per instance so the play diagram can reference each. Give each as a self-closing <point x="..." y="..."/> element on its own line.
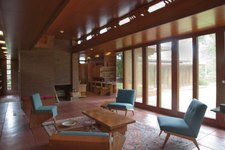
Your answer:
<point x="187" y="127"/>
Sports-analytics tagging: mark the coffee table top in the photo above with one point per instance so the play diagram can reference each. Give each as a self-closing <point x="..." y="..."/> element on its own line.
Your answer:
<point x="107" y="118"/>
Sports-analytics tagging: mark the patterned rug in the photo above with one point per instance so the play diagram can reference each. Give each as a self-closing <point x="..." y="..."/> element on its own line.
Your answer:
<point x="138" y="136"/>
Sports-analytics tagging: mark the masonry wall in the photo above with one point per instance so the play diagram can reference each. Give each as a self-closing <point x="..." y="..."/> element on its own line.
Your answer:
<point x="42" y="69"/>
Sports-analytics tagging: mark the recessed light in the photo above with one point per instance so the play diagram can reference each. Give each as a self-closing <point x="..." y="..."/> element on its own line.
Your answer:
<point x="61" y="31"/>
<point x="142" y="15"/>
<point x="97" y="55"/>
<point x="108" y="53"/>
<point x="91" y="49"/>
<point x="4" y="48"/>
<point x="2" y="42"/>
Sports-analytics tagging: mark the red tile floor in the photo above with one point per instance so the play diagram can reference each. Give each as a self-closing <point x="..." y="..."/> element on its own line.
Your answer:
<point x="15" y="133"/>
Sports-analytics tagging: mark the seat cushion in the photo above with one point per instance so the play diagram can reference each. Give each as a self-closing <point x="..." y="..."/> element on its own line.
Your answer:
<point x="52" y="109"/>
<point x="175" y="125"/>
<point x="116" y="105"/>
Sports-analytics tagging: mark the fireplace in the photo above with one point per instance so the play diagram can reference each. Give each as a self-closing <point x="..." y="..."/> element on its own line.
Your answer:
<point x="63" y="91"/>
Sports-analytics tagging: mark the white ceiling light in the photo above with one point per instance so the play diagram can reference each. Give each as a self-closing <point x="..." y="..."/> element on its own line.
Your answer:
<point x="124" y="21"/>
<point x="156" y="6"/>
<point x="2" y="42"/>
<point x="103" y="30"/>
<point x="4" y="48"/>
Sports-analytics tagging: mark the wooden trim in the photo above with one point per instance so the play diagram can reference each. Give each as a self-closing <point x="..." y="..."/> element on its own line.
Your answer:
<point x="175" y="76"/>
<point x="158" y="76"/>
<point x="144" y="77"/>
<point x="195" y="67"/>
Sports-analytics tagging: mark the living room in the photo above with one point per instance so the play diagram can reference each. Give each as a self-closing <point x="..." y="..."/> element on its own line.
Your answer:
<point x="167" y="62"/>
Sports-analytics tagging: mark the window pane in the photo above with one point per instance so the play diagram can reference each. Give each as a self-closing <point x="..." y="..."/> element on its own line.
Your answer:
<point x="119" y="70"/>
<point x="138" y="73"/>
<point x="128" y="69"/>
<point x="185" y="73"/>
<point x="8" y="71"/>
<point x="152" y="75"/>
<point x="207" y="72"/>
<point x="166" y="76"/>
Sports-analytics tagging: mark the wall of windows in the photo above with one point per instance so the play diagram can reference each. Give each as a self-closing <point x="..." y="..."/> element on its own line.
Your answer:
<point x="8" y="73"/>
<point x="176" y="72"/>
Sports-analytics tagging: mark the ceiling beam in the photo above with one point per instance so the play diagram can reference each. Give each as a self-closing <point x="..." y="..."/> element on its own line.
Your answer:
<point x="179" y="9"/>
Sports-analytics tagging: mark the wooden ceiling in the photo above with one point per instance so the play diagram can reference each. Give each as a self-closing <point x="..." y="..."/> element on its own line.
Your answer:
<point x="24" y="21"/>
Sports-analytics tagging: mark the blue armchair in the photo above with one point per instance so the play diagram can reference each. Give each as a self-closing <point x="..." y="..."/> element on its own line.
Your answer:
<point x="187" y="127"/>
<point x="124" y="101"/>
<point x="41" y="113"/>
<point x="82" y="140"/>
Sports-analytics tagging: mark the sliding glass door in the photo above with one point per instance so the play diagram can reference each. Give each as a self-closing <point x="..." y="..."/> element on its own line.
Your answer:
<point x="207" y="72"/>
<point x="119" y="70"/>
<point x="185" y="50"/>
<point x="166" y="75"/>
<point x="138" y="74"/>
<point x="128" y="69"/>
<point x="151" y="75"/>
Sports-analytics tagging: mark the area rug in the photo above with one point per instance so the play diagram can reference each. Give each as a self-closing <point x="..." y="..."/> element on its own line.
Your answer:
<point x="139" y="136"/>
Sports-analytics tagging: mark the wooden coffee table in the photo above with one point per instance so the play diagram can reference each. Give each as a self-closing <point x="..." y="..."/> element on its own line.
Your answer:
<point x="109" y="121"/>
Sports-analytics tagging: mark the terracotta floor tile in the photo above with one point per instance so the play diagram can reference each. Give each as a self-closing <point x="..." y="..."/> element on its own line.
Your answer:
<point x="16" y="135"/>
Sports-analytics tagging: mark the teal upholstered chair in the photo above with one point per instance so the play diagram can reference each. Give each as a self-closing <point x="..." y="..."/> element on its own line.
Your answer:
<point x="187" y="127"/>
<point x="41" y="113"/>
<point x="82" y="140"/>
<point x="124" y="101"/>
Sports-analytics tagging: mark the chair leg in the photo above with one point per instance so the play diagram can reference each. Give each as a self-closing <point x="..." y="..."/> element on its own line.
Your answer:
<point x="126" y="113"/>
<point x="167" y="137"/>
<point x="196" y="143"/>
<point x="160" y="133"/>
<point x="133" y="112"/>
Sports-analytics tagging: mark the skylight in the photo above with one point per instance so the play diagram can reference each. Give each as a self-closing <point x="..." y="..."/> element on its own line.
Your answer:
<point x="103" y="30"/>
<point x="157" y="6"/>
<point x="124" y="21"/>
<point x="89" y="37"/>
